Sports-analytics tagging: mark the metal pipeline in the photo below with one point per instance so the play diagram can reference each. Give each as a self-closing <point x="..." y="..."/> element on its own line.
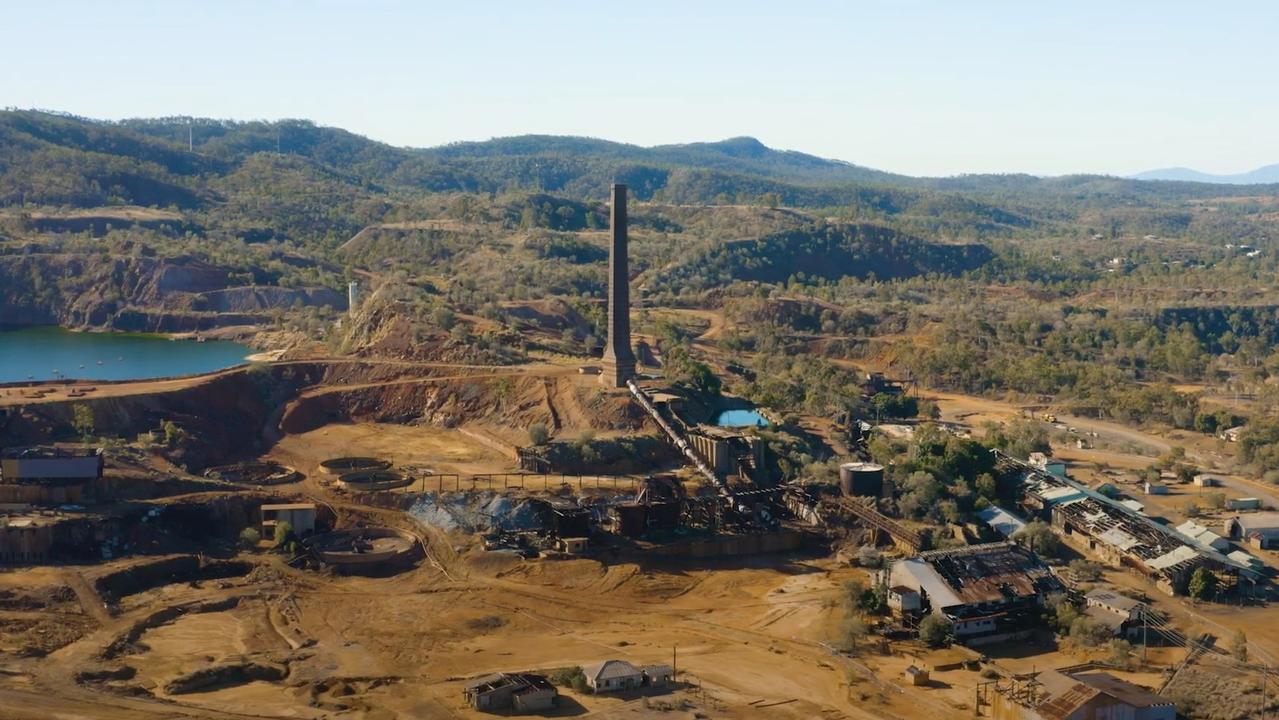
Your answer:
<point x="689" y="451"/>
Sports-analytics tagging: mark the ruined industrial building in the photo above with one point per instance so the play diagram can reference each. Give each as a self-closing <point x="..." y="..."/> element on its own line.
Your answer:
<point x="989" y="593"/>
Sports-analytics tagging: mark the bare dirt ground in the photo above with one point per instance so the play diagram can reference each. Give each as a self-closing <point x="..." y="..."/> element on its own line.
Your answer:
<point x="748" y="635"/>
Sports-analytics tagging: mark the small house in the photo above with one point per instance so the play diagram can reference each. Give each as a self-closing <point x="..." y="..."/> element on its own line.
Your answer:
<point x="613" y="676"/>
<point x="1261" y="529"/>
<point x="1206" y="480"/>
<point x="574" y="546"/>
<point x="1248" y="503"/>
<point x="299" y="516"/>
<point x="658" y="675"/>
<point x="1120" y="613"/>
<point x="916" y="676"/>
<point x="1231" y="434"/>
<point x="903" y="600"/>
<point x="1154" y="488"/>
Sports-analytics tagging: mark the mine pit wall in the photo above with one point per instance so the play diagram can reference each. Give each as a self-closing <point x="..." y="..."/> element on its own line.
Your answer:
<point x="515" y="400"/>
<point x="151" y="574"/>
<point x="447" y="403"/>
<point x="224" y="415"/>
<point x="105" y="489"/>
<point x="184" y="524"/>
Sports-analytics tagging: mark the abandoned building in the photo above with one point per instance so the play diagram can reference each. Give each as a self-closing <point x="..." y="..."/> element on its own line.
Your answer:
<point x="619" y="675"/>
<point x="1120" y="613"/>
<point x="299" y="516"/>
<point x="1052" y="695"/>
<point x="916" y="676"/>
<point x="989" y="593"/>
<point x="728" y="451"/>
<point x="1001" y="521"/>
<point x="520" y="692"/>
<point x="613" y="676"/>
<point x="1106" y="529"/>
<point x="48" y="475"/>
<point x="1048" y="464"/>
<point x="1259" y="529"/>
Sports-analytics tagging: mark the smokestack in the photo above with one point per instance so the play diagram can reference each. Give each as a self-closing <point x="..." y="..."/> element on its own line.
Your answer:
<point x="619" y="360"/>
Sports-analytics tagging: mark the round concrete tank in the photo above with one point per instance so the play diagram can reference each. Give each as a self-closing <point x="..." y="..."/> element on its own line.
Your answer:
<point x="861" y="478"/>
<point x="344" y="465"/>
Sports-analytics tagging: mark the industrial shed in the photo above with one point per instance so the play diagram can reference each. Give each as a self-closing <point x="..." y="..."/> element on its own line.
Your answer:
<point x="988" y="592"/>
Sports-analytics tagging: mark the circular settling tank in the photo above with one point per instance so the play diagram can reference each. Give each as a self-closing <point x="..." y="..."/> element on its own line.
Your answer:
<point x="344" y="465"/>
<point x="374" y="480"/>
<point x="363" y="546"/>
<point x="255" y="473"/>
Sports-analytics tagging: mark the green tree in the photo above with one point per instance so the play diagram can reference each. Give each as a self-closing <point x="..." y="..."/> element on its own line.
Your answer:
<point x="1239" y="646"/>
<point x="935" y="631"/>
<point x="82" y="421"/>
<point x="1085" y="570"/>
<point x="1088" y="632"/>
<point x="986" y="486"/>
<point x="852" y="631"/>
<point x="1203" y="584"/>
<point x="249" y="538"/>
<point x="1119" y="652"/>
<point x="283" y="534"/>
<point x="443" y="318"/>
<point x="1039" y="537"/>
<point x="538" y="434"/>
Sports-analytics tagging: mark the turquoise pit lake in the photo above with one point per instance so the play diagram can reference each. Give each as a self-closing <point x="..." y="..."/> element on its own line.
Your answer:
<point x="741" y="418"/>
<point x="50" y="353"/>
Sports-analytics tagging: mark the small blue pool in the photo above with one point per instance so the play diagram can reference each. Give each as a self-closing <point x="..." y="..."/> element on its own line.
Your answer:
<point x="741" y="418"/>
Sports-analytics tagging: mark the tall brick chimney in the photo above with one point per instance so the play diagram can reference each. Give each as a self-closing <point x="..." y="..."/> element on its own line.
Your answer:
<point x="619" y="359"/>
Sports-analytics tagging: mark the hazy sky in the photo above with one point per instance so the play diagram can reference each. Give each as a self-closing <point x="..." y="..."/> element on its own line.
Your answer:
<point x="918" y="87"/>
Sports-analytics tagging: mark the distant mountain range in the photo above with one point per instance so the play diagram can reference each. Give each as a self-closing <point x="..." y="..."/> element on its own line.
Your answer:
<point x="1261" y="176"/>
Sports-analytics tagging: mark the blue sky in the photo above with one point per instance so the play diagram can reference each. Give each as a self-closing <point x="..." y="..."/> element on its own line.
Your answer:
<point x="919" y="87"/>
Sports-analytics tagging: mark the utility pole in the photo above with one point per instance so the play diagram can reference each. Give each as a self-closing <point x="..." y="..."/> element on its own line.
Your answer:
<point x="674" y="666"/>
<point x="190" y="137"/>
<point x="1265" y="672"/>
<point x="1145" y="629"/>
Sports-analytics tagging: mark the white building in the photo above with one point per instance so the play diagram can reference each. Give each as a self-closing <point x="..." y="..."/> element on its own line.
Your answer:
<point x="613" y="676"/>
<point x="1203" y="537"/>
<point x="1261" y="529"/>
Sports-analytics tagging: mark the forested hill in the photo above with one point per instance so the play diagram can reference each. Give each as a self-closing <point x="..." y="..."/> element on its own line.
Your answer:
<point x="308" y="181"/>
<point x="575" y="166"/>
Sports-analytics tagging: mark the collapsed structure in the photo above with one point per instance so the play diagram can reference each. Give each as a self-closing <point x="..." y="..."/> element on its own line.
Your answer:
<point x="1052" y="695"/>
<point x="1102" y="527"/>
<point x="989" y="593"/>
<point x="520" y="692"/>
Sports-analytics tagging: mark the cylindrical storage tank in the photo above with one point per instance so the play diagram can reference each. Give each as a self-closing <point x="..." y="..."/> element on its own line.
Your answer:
<point x="664" y="516"/>
<point x="344" y="465"/>
<point x="857" y="479"/>
<point x="632" y="519"/>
